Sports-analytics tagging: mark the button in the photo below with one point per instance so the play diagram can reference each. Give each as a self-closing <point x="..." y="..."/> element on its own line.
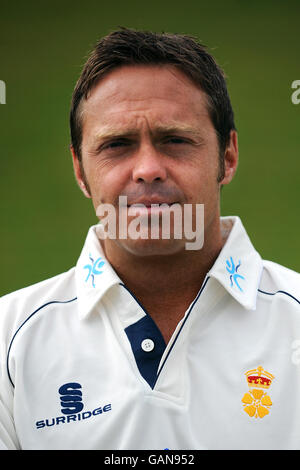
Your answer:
<point x="147" y="345"/>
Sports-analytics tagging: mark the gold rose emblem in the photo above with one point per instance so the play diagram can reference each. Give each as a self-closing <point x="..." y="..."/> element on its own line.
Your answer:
<point x="257" y="402"/>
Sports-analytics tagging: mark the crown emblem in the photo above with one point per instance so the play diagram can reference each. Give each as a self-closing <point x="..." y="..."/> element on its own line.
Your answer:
<point x="257" y="402"/>
<point x="259" y="378"/>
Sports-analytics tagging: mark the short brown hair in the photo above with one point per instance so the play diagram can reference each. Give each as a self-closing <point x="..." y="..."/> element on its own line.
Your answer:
<point x="130" y="47"/>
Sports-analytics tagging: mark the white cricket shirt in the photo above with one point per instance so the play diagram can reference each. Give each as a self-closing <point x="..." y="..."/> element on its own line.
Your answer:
<point x="83" y="366"/>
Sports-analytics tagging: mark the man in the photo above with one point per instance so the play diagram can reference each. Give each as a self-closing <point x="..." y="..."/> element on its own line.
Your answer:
<point x="147" y="344"/>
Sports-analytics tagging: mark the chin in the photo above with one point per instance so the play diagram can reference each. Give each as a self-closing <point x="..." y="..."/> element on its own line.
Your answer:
<point x="144" y="247"/>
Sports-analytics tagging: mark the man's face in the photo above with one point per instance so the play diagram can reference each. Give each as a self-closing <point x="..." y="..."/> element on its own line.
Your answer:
<point x="147" y="135"/>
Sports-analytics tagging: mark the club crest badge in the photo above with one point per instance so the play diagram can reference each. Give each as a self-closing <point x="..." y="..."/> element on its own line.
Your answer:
<point x="256" y="401"/>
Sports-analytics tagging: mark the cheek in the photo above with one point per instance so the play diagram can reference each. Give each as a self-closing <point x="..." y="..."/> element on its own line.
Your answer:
<point x="199" y="183"/>
<point x="106" y="183"/>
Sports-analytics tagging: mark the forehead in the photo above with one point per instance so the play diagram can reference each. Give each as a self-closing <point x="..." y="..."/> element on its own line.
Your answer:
<point x="163" y="94"/>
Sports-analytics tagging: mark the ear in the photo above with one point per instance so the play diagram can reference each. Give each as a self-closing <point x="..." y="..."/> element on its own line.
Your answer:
<point x="231" y="157"/>
<point x="79" y="173"/>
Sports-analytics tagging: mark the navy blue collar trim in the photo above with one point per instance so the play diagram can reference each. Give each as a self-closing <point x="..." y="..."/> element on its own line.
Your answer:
<point x="279" y="292"/>
<point x="146" y="328"/>
<point x="183" y="323"/>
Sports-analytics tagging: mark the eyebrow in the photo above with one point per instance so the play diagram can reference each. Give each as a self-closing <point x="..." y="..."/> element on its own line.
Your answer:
<point x="109" y="132"/>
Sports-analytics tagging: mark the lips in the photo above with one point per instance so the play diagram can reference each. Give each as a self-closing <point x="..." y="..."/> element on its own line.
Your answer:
<point x="149" y="208"/>
<point x="152" y="205"/>
<point x="150" y="202"/>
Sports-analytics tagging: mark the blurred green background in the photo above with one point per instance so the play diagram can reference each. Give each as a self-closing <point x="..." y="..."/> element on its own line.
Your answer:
<point x="43" y="45"/>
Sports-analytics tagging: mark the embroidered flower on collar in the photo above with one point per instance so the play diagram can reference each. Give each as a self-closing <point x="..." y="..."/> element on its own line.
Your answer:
<point x="232" y="269"/>
<point x="93" y="269"/>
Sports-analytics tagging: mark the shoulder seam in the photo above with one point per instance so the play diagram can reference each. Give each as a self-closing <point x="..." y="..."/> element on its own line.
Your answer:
<point x="25" y="321"/>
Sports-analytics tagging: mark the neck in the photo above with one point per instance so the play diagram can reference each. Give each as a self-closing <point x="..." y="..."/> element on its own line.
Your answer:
<point x="166" y="284"/>
<point x="170" y="275"/>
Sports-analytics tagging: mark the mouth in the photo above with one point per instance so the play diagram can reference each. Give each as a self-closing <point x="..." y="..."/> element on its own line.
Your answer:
<point x="149" y="202"/>
<point x="151" y="206"/>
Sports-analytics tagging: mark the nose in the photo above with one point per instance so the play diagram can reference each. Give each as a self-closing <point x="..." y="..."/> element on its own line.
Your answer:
<point x="149" y="165"/>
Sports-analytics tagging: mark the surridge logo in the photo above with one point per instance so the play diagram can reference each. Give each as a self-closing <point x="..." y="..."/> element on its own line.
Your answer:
<point x="70" y="398"/>
<point x="71" y="407"/>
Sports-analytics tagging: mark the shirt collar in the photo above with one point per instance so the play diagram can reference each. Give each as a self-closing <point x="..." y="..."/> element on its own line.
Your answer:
<point x="94" y="274"/>
<point x="239" y="266"/>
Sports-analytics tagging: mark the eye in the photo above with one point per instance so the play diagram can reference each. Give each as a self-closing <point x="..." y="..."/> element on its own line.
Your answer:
<point x="115" y="144"/>
<point x="114" y="147"/>
<point x="175" y="140"/>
